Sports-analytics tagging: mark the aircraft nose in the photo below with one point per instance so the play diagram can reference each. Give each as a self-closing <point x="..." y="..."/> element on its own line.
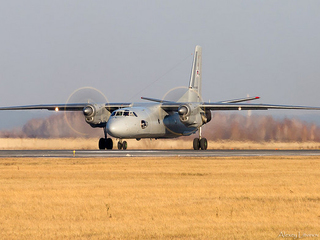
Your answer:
<point x="115" y="128"/>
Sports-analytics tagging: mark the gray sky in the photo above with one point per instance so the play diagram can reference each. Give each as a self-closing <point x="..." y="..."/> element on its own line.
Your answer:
<point x="50" y="48"/>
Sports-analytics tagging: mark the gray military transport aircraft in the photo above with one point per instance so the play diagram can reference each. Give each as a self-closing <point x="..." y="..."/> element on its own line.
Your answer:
<point x="157" y="118"/>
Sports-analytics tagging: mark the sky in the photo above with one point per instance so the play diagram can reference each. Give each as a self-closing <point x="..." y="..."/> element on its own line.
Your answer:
<point x="133" y="48"/>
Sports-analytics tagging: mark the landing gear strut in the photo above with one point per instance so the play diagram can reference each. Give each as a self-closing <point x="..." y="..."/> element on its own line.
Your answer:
<point x="105" y="143"/>
<point x="200" y="143"/>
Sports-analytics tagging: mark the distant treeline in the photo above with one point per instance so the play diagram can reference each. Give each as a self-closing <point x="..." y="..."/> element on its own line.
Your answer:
<point x="223" y="126"/>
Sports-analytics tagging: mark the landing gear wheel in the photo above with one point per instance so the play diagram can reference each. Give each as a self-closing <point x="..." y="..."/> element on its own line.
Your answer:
<point x="196" y="144"/>
<point x="203" y="144"/>
<point x="109" y="143"/>
<point x="102" y="144"/>
<point x="124" y="145"/>
<point x="120" y="145"/>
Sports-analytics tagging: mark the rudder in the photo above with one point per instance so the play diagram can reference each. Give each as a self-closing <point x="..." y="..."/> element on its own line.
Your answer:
<point x="194" y="92"/>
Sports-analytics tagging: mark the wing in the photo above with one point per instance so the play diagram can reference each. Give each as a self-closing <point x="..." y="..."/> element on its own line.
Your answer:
<point x="65" y="107"/>
<point x="244" y="106"/>
<point x="226" y="101"/>
<point x="232" y="106"/>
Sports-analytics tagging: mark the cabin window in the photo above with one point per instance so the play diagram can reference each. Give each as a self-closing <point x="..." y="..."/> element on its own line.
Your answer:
<point x="144" y="124"/>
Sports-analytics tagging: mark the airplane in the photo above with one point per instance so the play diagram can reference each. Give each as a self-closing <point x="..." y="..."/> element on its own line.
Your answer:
<point x="157" y="118"/>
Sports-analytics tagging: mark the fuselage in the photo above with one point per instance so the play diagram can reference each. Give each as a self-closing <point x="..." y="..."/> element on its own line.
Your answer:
<point x="146" y="121"/>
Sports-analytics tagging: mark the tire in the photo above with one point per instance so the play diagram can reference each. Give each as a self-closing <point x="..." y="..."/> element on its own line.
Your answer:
<point x="109" y="143"/>
<point x="102" y="144"/>
<point x="120" y="145"/>
<point x="196" y="144"/>
<point x="124" y="145"/>
<point x="203" y="144"/>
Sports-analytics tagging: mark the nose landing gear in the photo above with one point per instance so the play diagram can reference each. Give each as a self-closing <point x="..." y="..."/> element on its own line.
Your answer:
<point x="122" y="145"/>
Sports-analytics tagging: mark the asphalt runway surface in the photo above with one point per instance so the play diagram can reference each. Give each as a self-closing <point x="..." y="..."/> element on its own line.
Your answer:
<point x="152" y="153"/>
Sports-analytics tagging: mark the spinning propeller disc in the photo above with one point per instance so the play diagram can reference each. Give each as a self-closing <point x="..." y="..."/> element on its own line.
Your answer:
<point x="86" y="95"/>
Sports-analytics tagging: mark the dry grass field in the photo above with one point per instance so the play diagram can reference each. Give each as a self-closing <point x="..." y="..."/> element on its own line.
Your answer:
<point x="92" y="143"/>
<point x="160" y="198"/>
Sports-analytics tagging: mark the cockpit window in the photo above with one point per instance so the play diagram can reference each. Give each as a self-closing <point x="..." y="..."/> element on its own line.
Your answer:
<point x="125" y="113"/>
<point x="133" y="114"/>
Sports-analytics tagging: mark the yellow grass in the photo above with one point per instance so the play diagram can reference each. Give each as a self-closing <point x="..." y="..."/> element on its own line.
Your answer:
<point x="159" y="198"/>
<point x="82" y="143"/>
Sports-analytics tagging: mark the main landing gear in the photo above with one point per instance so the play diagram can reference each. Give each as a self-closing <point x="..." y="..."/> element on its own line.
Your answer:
<point x="200" y="143"/>
<point x="107" y="143"/>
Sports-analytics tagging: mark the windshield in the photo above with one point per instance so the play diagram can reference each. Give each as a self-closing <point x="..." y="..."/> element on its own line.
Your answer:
<point x="125" y="113"/>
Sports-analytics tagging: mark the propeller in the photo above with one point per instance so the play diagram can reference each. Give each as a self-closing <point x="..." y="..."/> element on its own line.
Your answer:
<point x="86" y="95"/>
<point x="175" y="94"/>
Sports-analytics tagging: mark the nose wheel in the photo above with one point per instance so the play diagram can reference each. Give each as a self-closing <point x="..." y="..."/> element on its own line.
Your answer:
<point x="122" y="145"/>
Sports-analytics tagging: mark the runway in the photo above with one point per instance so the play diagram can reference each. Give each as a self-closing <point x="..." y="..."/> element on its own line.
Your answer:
<point x="152" y="153"/>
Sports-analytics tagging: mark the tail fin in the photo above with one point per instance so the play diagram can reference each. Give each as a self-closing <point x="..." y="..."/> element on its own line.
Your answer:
<point x="194" y="92"/>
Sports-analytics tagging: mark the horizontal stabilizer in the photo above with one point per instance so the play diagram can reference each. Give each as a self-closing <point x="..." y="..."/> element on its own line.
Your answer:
<point x="154" y="100"/>
<point x="240" y="100"/>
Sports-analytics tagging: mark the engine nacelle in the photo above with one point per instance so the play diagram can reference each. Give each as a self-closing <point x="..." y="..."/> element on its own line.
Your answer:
<point x="189" y="115"/>
<point x="96" y="115"/>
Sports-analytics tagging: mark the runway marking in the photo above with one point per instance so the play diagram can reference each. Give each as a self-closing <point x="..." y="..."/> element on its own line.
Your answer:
<point x="154" y="153"/>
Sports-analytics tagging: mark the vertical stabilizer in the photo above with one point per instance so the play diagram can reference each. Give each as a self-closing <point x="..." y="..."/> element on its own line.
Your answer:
<point x="194" y="92"/>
